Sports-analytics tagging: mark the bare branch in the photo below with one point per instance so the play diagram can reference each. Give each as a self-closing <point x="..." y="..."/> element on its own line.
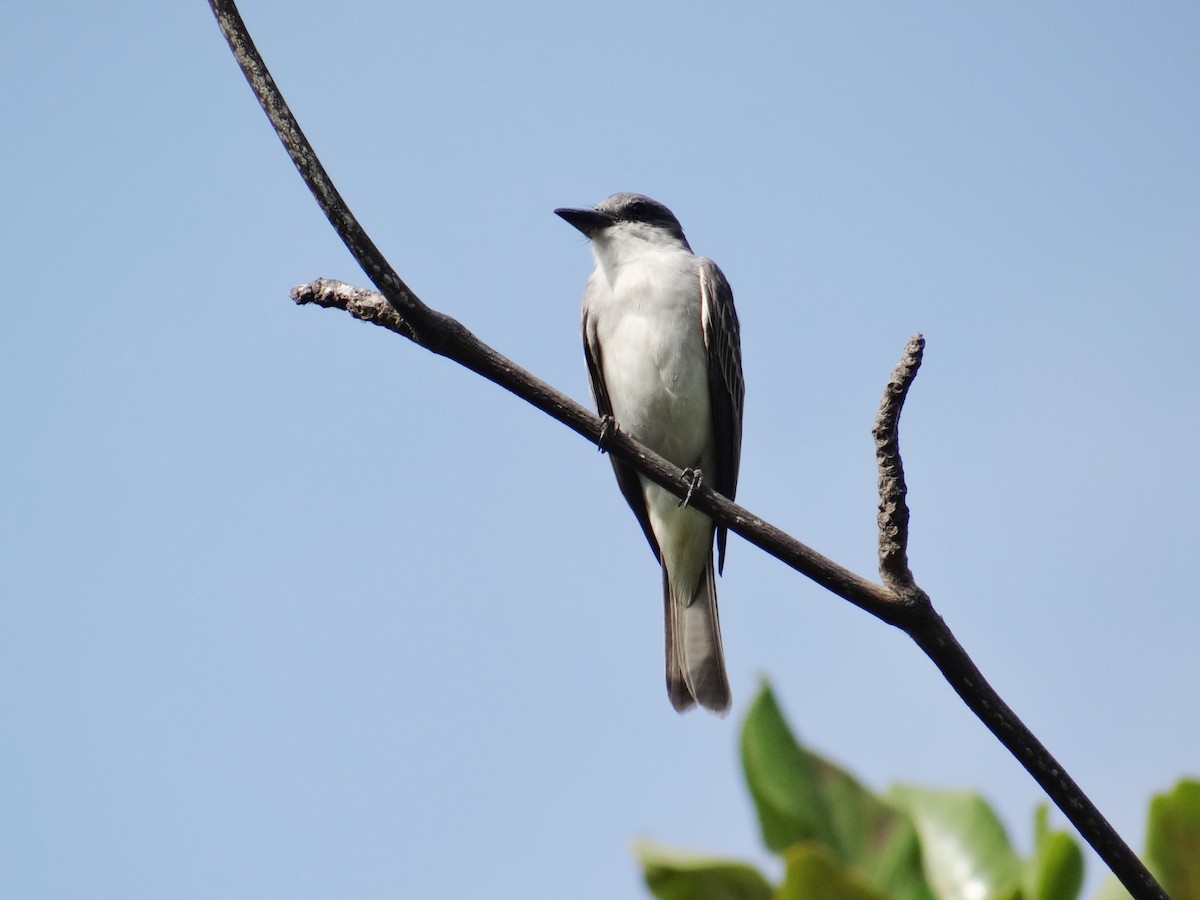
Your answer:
<point x="908" y="609"/>
<point x="934" y="637"/>
<point x="893" y="510"/>
<point x="370" y="306"/>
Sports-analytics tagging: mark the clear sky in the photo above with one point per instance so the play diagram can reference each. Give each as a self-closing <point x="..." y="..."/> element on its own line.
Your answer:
<point x="291" y="608"/>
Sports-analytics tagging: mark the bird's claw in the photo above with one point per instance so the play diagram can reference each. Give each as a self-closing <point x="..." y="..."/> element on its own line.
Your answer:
<point x="607" y="424"/>
<point x="693" y="477"/>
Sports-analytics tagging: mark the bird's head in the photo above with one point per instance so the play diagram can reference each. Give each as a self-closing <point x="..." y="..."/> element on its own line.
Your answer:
<point x="628" y="223"/>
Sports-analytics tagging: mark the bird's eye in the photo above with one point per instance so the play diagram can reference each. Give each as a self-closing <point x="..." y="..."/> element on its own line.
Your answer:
<point x="638" y="211"/>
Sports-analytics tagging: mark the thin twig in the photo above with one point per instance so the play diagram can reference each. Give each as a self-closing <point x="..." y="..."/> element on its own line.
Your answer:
<point x="443" y="335"/>
<point x="893" y="509"/>
<point x="370" y="306"/>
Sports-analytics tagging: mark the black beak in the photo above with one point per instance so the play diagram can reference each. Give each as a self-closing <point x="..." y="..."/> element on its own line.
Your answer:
<point x="589" y="221"/>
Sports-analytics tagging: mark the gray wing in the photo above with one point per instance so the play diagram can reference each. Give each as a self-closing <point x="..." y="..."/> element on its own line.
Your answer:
<point x="726" y="387"/>
<point x="627" y="478"/>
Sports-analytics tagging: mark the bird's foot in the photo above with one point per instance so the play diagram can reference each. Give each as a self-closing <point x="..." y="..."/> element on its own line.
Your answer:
<point x="607" y="425"/>
<point x="693" y="477"/>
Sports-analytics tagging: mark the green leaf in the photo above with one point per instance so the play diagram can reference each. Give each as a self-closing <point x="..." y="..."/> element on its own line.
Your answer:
<point x="677" y="875"/>
<point x="964" y="849"/>
<point x="801" y="797"/>
<point x="813" y="874"/>
<point x="782" y="778"/>
<point x="1173" y="840"/>
<point x="1056" y="870"/>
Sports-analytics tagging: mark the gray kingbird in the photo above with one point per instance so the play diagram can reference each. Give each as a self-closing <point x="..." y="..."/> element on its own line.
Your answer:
<point x="664" y="356"/>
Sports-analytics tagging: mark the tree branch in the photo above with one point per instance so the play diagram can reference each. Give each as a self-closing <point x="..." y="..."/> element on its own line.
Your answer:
<point x="893" y="510"/>
<point x="898" y="602"/>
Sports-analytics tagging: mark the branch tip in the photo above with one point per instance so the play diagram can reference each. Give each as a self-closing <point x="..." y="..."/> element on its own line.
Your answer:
<point x="369" y="306"/>
<point x="893" y="508"/>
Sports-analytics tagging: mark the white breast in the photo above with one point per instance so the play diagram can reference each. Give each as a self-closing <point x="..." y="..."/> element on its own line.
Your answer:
<point x="646" y="314"/>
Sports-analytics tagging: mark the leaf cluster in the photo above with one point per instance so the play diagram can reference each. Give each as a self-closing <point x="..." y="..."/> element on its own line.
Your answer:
<point x="838" y="840"/>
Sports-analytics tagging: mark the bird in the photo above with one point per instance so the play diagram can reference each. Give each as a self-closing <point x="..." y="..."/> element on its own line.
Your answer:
<point x="663" y="350"/>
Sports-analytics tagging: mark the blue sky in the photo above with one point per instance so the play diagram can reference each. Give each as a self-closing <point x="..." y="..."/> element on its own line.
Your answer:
<point x="290" y="608"/>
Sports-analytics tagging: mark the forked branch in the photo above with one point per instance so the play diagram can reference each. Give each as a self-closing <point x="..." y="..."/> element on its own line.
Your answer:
<point x="897" y="601"/>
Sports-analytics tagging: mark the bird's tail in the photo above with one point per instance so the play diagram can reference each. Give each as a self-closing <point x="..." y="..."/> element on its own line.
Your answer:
<point x="695" y="661"/>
